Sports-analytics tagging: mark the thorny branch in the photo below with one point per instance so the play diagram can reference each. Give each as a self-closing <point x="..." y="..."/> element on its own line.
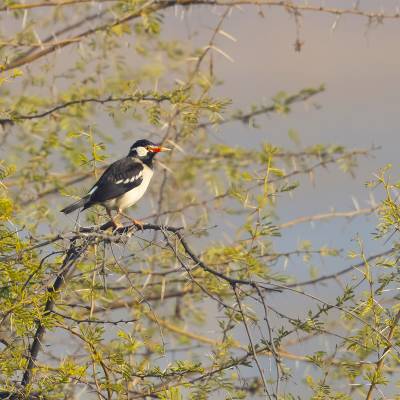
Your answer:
<point x="59" y="3"/>
<point x="154" y="6"/>
<point x="149" y="7"/>
<point x="249" y="335"/>
<point x="72" y="256"/>
<point x="301" y="96"/>
<point x="329" y="215"/>
<point x="287" y="4"/>
<point x="110" y="99"/>
<point x="355" y="267"/>
<point x="83" y="238"/>
<point x="386" y="351"/>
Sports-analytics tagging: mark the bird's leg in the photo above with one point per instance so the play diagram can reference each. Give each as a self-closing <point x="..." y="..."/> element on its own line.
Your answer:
<point x="136" y="222"/>
<point x="114" y="220"/>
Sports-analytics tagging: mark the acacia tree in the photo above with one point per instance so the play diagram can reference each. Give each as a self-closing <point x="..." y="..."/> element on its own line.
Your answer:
<point x="178" y="309"/>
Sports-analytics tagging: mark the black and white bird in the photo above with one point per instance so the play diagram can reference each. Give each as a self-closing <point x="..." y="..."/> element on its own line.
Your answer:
<point x="123" y="183"/>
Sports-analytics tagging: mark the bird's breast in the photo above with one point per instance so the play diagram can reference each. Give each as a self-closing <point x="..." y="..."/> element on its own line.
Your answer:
<point x="132" y="196"/>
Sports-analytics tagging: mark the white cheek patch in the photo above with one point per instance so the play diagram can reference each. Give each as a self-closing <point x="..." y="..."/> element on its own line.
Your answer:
<point x="141" y="151"/>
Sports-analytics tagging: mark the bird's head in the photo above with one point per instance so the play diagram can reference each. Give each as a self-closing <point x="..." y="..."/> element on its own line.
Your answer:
<point x="145" y="150"/>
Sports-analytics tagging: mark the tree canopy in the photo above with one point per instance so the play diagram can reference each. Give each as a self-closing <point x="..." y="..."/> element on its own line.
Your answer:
<point x="200" y="303"/>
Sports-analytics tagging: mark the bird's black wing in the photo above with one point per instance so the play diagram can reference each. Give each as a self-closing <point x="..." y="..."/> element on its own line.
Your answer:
<point x="119" y="178"/>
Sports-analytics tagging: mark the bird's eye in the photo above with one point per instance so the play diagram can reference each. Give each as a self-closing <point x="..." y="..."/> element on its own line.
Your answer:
<point x="142" y="151"/>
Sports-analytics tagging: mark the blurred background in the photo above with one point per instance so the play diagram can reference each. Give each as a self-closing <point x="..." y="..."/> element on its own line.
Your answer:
<point x="359" y="65"/>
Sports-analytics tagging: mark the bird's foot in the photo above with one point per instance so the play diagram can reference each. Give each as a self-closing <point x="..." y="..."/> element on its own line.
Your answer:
<point x="138" y="223"/>
<point x="116" y="225"/>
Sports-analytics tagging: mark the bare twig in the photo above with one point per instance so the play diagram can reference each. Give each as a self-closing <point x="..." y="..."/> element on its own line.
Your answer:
<point x="324" y="278"/>
<point x="286" y="4"/>
<point x="50" y="3"/>
<point x="110" y="99"/>
<point x="330" y="215"/>
<point x="252" y="348"/>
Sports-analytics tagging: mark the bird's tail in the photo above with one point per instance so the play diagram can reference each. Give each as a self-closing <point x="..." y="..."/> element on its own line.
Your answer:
<point x="74" y="206"/>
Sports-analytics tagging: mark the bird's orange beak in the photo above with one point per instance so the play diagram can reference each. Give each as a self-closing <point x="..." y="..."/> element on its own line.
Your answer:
<point x="158" y="149"/>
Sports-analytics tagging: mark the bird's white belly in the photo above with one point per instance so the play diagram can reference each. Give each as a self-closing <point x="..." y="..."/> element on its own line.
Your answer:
<point x="130" y="198"/>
